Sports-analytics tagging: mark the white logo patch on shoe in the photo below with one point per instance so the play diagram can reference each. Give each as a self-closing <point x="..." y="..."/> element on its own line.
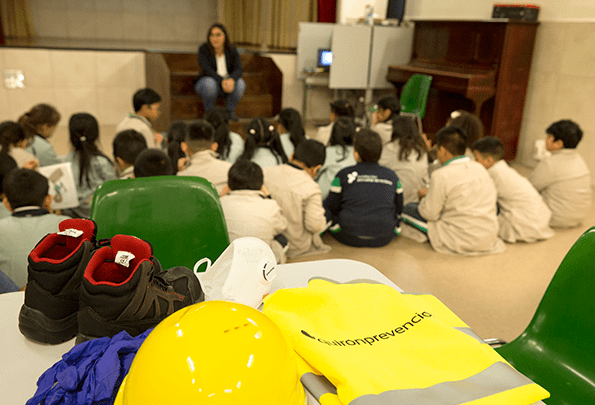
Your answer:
<point x="73" y="233"/>
<point x="351" y="177"/>
<point x="123" y="258"/>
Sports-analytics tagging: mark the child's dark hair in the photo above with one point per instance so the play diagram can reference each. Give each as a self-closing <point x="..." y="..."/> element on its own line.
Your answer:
<point x="368" y="145"/>
<point x="260" y="133"/>
<point x="245" y="175"/>
<point x="128" y="144"/>
<point x="390" y="103"/>
<point x="175" y="136"/>
<point x="566" y="131"/>
<point x="11" y="134"/>
<point x="84" y="132"/>
<point x="343" y="133"/>
<point x="39" y="115"/>
<point x="342" y="108"/>
<point x="145" y="96"/>
<point x="219" y="119"/>
<point x="405" y="130"/>
<point x="200" y="135"/>
<point x="310" y="152"/>
<point x="291" y="120"/>
<point x="152" y="162"/>
<point x="25" y="187"/>
<point x="453" y="139"/>
<point x="7" y="164"/>
<point x="472" y="125"/>
<point x="489" y="146"/>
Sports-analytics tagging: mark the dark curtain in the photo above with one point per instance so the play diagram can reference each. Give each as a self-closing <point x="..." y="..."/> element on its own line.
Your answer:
<point x="327" y="11"/>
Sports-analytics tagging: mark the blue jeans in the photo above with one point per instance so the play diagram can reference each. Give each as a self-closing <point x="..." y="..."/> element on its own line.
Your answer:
<point x="209" y="90"/>
<point x="6" y="284"/>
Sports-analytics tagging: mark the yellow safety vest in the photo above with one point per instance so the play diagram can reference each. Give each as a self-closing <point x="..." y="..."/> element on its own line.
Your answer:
<point x="366" y="344"/>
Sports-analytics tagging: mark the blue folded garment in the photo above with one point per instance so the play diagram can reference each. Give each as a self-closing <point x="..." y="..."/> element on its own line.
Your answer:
<point x="90" y="373"/>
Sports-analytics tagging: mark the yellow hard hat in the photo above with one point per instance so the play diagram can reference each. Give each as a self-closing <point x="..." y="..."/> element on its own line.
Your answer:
<point x="214" y="352"/>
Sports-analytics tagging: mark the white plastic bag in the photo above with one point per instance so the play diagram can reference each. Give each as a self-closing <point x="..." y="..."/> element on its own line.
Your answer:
<point x="243" y="273"/>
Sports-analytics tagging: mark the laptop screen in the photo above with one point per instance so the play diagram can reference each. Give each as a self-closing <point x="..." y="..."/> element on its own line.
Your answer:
<point x="325" y="58"/>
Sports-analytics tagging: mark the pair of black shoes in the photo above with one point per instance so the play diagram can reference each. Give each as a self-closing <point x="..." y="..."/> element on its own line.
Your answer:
<point x="79" y="287"/>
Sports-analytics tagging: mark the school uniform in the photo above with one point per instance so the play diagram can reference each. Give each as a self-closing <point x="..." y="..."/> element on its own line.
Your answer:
<point x="236" y="148"/>
<point x="21" y="156"/>
<point x="412" y="172"/>
<point x="100" y="171"/>
<point x="564" y="182"/>
<point x="127" y="173"/>
<point x="19" y="233"/>
<point x="323" y="134"/>
<point x="336" y="159"/>
<point x="298" y="195"/>
<point x="250" y="213"/>
<point x="523" y="215"/>
<point x="43" y="150"/>
<point x="139" y="124"/>
<point x="206" y="165"/>
<point x="366" y="201"/>
<point x="4" y="212"/>
<point x="385" y="130"/>
<point x="460" y="209"/>
<point x="263" y="157"/>
<point x="288" y="146"/>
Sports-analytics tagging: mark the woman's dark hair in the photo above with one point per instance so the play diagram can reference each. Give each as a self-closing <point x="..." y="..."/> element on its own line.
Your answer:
<point x="36" y="117"/>
<point x="11" y="133"/>
<point x="260" y="133"/>
<point x="406" y="131"/>
<point x="390" y="103"/>
<point x="226" y="44"/>
<point x="219" y="119"/>
<point x="175" y="136"/>
<point x="84" y="132"/>
<point x="291" y="120"/>
<point x="343" y="133"/>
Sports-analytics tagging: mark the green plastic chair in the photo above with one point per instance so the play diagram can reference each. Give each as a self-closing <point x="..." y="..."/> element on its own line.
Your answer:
<point x="414" y="97"/>
<point x="181" y="217"/>
<point x="556" y="350"/>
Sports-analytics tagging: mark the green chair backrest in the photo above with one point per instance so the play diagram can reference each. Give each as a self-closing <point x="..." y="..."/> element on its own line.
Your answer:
<point x="414" y="94"/>
<point x="181" y="217"/>
<point x="556" y="350"/>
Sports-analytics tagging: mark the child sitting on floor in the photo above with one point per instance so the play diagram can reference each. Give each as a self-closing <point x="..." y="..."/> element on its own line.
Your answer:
<point x="563" y="179"/>
<point x="127" y="145"/>
<point x="522" y="213"/>
<point x="250" y="212"/>
<point x="366" y="200"/>
<point x="293" y="187"/>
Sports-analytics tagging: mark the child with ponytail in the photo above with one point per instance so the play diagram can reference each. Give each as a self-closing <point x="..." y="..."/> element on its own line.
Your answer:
<point x="230" y="144"/>
<point x="291" y="129"/>
<point x="90" y="167"/>
<point x="39" y="125"/>
<point x="263" y="145"/>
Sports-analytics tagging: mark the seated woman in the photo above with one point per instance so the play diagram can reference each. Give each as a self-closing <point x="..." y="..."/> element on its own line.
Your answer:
<point x="221" y="71"/>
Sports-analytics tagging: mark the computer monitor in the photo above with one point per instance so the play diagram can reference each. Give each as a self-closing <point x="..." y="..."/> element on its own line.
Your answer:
<point x="325" y="58"/>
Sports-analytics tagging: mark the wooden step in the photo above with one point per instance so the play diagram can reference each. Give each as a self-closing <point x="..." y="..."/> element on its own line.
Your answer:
<point x="250" y="106"/>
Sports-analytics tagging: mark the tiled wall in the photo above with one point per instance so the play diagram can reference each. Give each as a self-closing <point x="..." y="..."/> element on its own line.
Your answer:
<point x="100" y="83"/>
<point x="129" y="20"/>
<point x="562" y="86"/>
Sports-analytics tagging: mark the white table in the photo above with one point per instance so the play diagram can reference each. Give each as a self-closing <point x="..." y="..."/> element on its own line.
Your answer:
<point x="24" y="361"/>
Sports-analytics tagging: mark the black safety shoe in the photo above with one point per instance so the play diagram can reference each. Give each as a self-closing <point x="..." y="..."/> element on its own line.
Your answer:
<point x="124" y="288"/>
<point x="55" y="270"/>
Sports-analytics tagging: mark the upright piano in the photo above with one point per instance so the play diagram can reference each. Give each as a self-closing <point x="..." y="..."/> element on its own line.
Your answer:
<point x="478" y="66"/>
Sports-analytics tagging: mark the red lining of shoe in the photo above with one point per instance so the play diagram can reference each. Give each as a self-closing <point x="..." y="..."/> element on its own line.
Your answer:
<point x="56" y="248"/>
<point x="101" y="270"/>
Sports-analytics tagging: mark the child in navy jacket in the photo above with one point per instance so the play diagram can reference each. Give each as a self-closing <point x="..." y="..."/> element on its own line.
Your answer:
<point x="366" y="200"/>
